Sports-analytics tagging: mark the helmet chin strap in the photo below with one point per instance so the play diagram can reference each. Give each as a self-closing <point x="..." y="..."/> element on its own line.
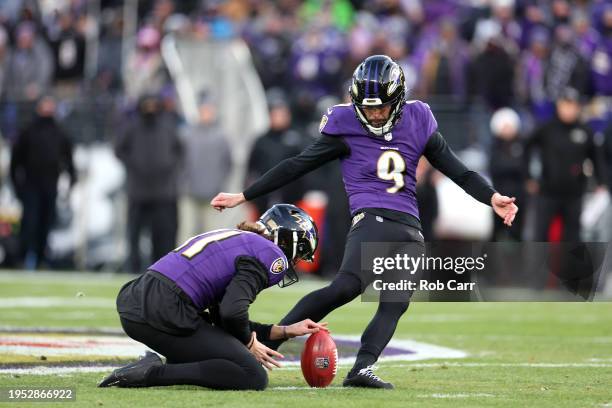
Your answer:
<point x="382" y="130"/>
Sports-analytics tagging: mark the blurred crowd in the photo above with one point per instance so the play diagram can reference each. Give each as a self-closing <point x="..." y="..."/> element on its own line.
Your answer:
<point x="506" y="66"/>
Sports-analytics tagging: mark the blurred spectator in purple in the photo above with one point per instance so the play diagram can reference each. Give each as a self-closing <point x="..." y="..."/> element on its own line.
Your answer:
<point x="269" y="38"/>
<point x="4" y="56"/>
<point x="430" y="11"/>
<point x="597" y="9"/>
<point x="145" y="71"/>
<point x="151" y="152"/>
<point x="41" y="153"/>
<point x="316" y="62"/>
<point x="491" y="73"/>
<point x="444" y="66"/>
<point x="395" y="21"/>
<point x="362" y="37"/>
<point x="601" y="62"/>
<point x="533" y="19"/>
<point x="530" y="84"/>
<point x="587" y="37"/>
<point x="566" y="67"/>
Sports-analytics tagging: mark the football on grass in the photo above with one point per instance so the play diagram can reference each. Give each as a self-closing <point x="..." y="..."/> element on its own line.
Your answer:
<point x="319" y="359"/>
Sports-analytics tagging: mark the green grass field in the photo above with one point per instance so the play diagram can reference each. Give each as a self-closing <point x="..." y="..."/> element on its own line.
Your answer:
<point x="519" y="354"/>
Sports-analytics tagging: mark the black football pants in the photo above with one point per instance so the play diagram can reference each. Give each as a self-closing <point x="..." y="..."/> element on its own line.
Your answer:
<point x="350" y="283"/>
<point x="208" y="357"/>
<point x="36" y="221"/>
<point x="569" y="208"/>
<point x="160" y="217"/>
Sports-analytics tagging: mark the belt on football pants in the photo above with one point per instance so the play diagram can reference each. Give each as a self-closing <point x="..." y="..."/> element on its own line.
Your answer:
<point x="389" y="215"/>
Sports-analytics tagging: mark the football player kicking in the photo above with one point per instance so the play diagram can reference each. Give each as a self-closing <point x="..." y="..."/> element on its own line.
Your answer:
<point x="222" y="271"/>
<point x="379" y="139"/>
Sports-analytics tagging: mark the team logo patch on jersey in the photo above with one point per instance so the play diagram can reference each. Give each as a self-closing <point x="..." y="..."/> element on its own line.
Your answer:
<point x="323" y="123"/>
<point x="278" y="266"/>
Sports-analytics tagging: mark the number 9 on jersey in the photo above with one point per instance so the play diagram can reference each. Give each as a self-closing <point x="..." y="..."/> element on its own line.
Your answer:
<point x="391" y="167"/>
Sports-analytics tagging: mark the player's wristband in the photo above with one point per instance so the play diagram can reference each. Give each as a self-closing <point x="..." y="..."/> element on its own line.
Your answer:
<point x="250" y="343"/>
<point x="285" y="333"/>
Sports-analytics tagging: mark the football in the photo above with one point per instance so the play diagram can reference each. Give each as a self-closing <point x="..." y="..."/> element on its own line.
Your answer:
<point x="319" y="359"/>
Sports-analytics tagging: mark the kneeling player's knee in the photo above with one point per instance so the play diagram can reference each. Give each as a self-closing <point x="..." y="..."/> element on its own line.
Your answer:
<point x="257" y="378"/>
<point x="254" y="375"/>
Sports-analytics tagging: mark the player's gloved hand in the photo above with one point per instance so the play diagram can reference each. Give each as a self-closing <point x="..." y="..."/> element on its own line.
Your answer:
<point x="227" y="200"/>
<point x="264" y="354"/>
<point x="504" y="207"/>
<point x="306" y="326"/>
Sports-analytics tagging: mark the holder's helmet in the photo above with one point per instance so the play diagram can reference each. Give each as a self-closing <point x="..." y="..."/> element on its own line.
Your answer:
<point x="294" y="231"/>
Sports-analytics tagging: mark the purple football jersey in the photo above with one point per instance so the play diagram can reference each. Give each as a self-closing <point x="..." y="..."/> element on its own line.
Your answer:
<point x="380" y="172"/>
<point x="205" y="264"/>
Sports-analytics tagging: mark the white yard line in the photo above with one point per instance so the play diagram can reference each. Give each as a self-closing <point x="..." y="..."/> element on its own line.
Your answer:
<point x="53" y="277"/>
<point x="306" y="388"/>
<point x="45" y="302"/>
<point x="95" y="345"/>
<point x="448" y="364"/>
<point x="47" y="370"/>
<point x="460" y="395"/>
<point x="42" y="370"/>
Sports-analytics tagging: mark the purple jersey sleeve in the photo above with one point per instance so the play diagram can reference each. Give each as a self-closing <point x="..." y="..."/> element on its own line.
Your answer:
<point x="429" y="122"/>
<point x="340" y="120"/>
<point x="275" y="262"/>
<point x="205" y="264"/>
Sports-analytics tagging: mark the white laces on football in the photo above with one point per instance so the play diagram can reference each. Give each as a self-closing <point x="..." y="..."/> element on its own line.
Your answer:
<point x="369" y="373"/>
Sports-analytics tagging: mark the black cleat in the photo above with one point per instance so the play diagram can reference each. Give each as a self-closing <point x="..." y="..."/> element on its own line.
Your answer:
<point x="365" y="378"/>
<point x="134" y="374"/>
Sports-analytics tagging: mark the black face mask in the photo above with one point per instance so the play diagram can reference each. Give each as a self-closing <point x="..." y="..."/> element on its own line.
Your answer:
<point x="289" y="278"/>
